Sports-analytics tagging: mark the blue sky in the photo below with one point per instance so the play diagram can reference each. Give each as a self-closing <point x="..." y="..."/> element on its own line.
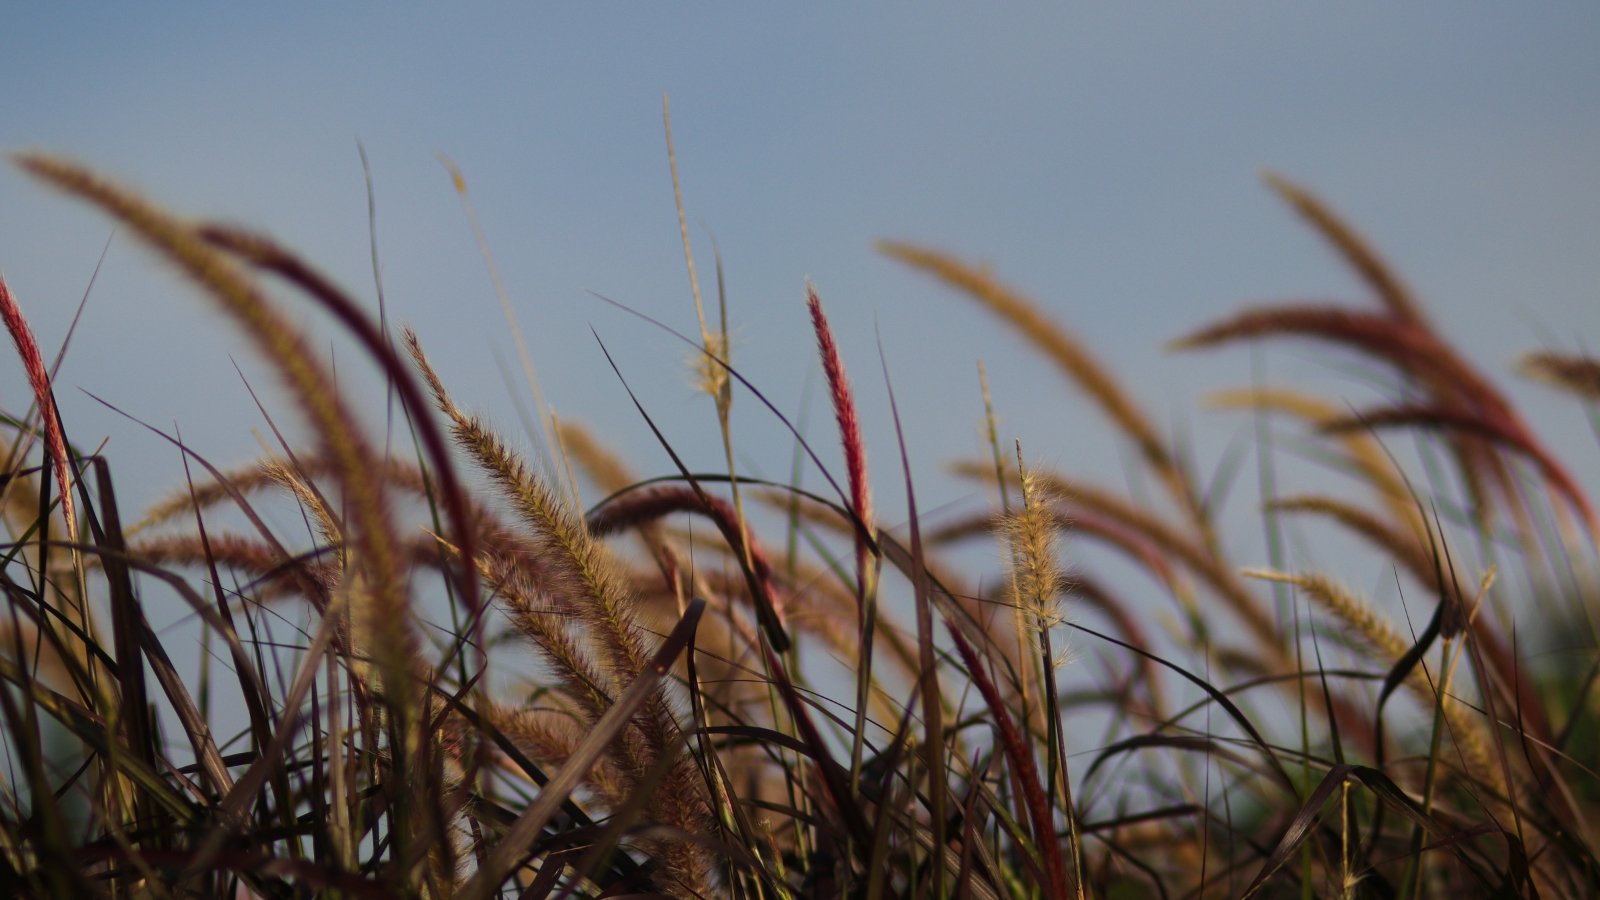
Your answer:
<point x="1103" y="158"/>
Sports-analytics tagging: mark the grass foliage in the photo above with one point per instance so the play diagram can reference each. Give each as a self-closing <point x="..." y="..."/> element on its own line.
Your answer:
<point x="1229" y="727"/>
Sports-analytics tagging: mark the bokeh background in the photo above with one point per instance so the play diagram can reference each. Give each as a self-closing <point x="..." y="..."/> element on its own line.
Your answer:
<point x="1103" y="158"/>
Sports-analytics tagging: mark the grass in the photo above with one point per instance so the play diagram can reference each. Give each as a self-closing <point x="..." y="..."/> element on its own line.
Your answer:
<point x="1267" y="731"/>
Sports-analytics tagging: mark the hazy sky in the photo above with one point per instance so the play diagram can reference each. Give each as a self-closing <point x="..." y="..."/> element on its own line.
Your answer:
<point x="1103" y="158"/>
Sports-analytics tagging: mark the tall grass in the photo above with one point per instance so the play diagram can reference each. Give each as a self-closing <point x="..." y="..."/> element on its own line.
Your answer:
<point x="675" y="736"/>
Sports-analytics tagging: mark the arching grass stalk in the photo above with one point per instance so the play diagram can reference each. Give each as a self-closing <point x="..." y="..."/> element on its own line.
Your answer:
<point x="384" y="607"/>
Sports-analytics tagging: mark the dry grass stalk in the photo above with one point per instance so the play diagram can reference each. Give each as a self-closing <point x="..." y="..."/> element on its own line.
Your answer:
<point x="573" y="553"/>
<point x="241" y="553"/>
<point x="844" y="411"/>
<point x="608" y="472"/>
<point x="1408" y="550"/>
<point x="1356" y="251"/>
<point x="1456" y="387"/>
<point x="549" y="737"/>
<point x="713" y="377"/>
<point x="1434" y="570"/>
<point x="604" y="467"/>
<point x="1578" y="374"/>
<point x="1508" y="432"/>
<point x="817" y="602"/>
<point x="1080" y="522"/>
<point x="458" y="180"/>
<point x="1036" y="580"/>
<point x="1162" y="535"/>
<point x="334" y="426"/>
<point x="647" y="505"/>
<point x="1405" y="345"/>
<point x="1088" y="524"/>
<point x="576" y="566"/>
<point x="39" y="380"/>
<point x="545" y="618"/>
<point x="810" y="579"/>
<point x="1072" y="357"/>
<point x="254" y="476"/>
<point x="1385" y="643"/>
<point x="1066" y="352"/>
<point x="201" y="496"/>
<point x="326" y="525"/>
<point x="1018" y="616"/>
<point x="855" y="458"/>
<point x="376" y="578"/>
<point x="57" y="569"/>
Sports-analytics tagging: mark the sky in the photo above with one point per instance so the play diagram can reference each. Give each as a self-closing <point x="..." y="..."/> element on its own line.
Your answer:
<point x="1104" y="159"/>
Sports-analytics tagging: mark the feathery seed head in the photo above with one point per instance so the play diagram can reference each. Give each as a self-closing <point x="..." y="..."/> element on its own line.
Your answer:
<point x="710" y="375"/>
<point x="1036" y="581"/>
<point x="844" y="407"/>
